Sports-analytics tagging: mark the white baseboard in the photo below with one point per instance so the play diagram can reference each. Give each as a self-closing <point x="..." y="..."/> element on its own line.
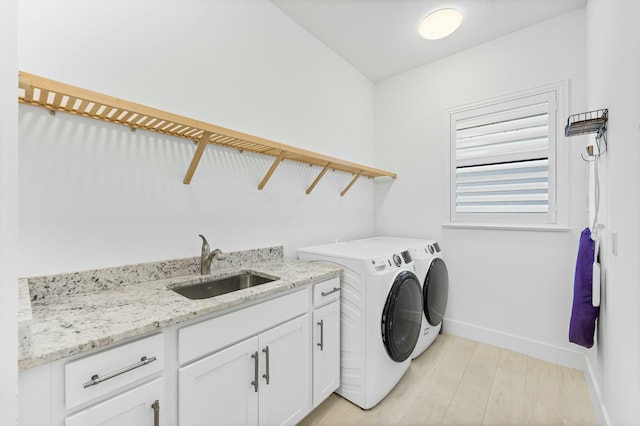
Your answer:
<point x="540" y="350"/>
<point x="596" y="395"/>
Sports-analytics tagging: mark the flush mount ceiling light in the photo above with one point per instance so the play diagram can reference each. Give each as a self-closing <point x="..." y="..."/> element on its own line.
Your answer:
<point x="440" y="24"/>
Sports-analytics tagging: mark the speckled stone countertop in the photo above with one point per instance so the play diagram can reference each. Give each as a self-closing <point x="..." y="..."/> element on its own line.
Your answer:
<point x="68" y="314"/>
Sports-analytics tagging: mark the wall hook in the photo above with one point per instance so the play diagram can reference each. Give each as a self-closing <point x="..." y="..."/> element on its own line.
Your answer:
<point x="586" y="160"/>
<point x="590" y="154"/>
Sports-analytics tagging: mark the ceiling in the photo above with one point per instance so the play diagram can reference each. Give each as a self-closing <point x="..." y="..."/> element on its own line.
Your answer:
<point x="380" y="37"/>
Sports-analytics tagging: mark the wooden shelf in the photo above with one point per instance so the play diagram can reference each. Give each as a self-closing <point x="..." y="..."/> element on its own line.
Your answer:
<point x="56" y="96"/>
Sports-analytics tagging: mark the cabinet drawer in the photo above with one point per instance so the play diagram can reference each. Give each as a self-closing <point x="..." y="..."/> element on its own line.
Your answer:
<point x="326" y="291"/>
<point x="132" y="408"/>
<point x="98" y="374"/>
<point x="208" y="336"/>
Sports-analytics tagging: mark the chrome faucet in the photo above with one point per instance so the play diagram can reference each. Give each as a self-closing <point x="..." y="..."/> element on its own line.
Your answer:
<point x="207" y="257"/>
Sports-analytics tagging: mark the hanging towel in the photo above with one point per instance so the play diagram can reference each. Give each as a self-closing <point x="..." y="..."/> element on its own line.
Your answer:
<point x="583" y="315"/>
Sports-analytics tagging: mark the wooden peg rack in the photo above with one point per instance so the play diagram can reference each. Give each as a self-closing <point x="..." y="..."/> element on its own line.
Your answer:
<point x="56" y="96"/>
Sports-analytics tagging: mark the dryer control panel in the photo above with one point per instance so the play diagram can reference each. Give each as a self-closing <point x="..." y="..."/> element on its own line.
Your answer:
<point x="426" y="251"/>
<point x="396" y="261"/>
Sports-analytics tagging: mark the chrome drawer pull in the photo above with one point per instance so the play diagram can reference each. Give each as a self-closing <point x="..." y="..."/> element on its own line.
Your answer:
<point x="266" y="375"/>
<point x="321" y="344"/>
<point x="330" y="292"/>
<point x="156" y="412"/>
<point x="254" y="383"/>
<point x="95" y="379"/>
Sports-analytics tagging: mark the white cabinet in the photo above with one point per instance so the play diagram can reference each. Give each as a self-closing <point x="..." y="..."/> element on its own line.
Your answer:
<point x="258" y="364"/>
<point x="137" y="407"/>
<point x="326" y="339"/>
<point x="284" y="391"/>
<point x="218" y="390"/>
<point x="120" y="385"/>
<point x="326" y="351"/>
<point x="94" y="376"/>
<point x="113" y="370"/>
<point x="262" y="380"/>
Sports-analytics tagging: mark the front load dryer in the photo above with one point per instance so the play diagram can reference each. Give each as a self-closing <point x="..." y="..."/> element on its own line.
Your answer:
<point x="380" y="317"/>
<point x="434" y="276"/>
<point x="432" y="272"/>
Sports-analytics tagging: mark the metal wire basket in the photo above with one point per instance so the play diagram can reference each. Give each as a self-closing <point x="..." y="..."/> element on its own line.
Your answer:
<point x="587" y="122"/>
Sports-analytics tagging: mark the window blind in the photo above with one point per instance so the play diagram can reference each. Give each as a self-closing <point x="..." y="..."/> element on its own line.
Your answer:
<point x="517" y="187"/>
<point x="502" y="161"/>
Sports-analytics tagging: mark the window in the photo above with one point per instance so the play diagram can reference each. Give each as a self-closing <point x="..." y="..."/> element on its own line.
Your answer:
<point x="504" y="160"/>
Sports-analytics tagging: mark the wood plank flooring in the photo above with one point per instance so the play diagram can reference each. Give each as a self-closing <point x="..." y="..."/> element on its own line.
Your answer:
<point x="462" y="382"/>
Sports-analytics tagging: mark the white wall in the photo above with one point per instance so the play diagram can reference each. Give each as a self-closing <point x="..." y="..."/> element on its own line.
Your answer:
<point x="613" y="64"/>
<point x="511" y="288"/>
<point x="8" y="215"/>
<point x="95" y="195"/>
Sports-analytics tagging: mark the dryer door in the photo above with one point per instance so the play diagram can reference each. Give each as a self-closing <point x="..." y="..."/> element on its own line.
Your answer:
<point x="435" y="291"/>
<point x="402" y="316"/>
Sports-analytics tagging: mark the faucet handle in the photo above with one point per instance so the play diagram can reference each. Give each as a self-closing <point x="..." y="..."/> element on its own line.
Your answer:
<point x="205" y="245"/>
<point x="208" y="256"/>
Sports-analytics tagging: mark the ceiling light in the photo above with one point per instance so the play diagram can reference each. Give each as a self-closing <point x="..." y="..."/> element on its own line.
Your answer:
<point x="440" y="24"/>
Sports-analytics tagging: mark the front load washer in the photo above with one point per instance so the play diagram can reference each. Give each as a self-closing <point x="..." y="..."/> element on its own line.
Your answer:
<point x="432" y="272"/>
<point x="380" y="318"/>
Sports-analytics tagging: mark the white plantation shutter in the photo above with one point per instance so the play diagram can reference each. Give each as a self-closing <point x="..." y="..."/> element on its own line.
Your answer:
<point x="517" y="187"/>
<point x="503" y="161"/>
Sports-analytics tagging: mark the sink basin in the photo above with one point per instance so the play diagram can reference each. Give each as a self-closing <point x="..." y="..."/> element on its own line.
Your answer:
<point x="218" y="286"/>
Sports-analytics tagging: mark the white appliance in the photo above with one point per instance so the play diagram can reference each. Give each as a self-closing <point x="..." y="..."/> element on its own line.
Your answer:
<point x="432" y="272"/>
<point x="380" y="318"/>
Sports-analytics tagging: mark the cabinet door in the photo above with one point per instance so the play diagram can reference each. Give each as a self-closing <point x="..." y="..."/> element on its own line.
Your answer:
<point x="217" y="390"/>
<point x="286" y="398"/>
<point x="132" y="408"/>
<point x="326" y="351"/>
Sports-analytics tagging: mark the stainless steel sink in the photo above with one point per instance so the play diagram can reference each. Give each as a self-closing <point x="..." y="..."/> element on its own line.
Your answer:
<point x="218" y="286"/>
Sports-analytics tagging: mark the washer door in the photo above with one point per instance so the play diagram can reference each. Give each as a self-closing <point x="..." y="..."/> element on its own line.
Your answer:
<point x="402" y="316"/>
<point x="435" y="291"/>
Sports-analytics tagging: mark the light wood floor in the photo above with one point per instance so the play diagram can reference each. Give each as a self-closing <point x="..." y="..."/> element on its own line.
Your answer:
<point x="461" y="382"/>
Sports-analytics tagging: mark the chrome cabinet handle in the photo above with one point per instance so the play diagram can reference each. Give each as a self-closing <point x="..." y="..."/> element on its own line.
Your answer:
<point x="255" y="371"/>
<point x="156" y="412"/>
<point x="266" y="375"/>
<point x="321" y="344"/>
<point x="326" y="293"/>
<point x="95" y="379"/>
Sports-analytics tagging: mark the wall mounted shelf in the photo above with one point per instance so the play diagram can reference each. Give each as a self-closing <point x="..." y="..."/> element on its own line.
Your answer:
<point x="590" y="122"/>
<point x="587" y="122"/>
<point x="56" y="96"/>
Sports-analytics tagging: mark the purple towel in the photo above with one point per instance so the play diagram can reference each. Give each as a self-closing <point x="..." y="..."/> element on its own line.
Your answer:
<point x="583" y="315"/>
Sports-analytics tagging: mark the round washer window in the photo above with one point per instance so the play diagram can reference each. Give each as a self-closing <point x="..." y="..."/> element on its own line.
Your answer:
<point x="436" y="291"/>
<point x="402" y="317"/>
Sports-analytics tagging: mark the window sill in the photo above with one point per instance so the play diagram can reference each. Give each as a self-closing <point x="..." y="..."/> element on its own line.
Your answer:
<point x="509" y="226"/>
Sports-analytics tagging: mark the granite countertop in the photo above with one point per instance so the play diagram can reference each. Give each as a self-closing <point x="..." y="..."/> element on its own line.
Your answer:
<point x="75" y="320"/>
